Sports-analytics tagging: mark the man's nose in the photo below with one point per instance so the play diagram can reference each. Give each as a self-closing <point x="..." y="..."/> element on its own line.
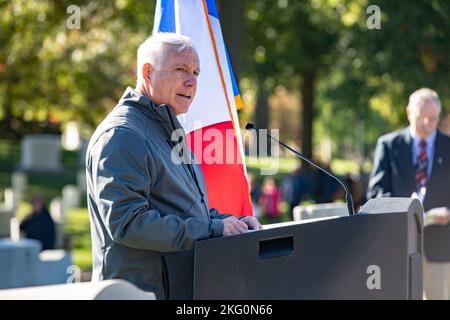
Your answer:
<point x="190" y="81"/>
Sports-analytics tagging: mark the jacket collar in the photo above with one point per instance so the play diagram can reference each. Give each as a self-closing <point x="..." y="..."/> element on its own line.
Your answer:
<point x="407" y="136"/>
<point x="416" y="139"/>
<point x="162" y="113"/>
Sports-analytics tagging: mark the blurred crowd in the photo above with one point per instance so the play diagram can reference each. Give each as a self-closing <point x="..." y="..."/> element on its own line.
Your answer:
<point x="303" y="185"/>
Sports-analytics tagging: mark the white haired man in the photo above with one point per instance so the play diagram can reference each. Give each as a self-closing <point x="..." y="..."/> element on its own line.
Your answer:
<point x="146" y="210"/>
<point x="415" y="161"/>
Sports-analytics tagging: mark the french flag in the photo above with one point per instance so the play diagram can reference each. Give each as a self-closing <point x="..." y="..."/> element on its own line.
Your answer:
<point x="211" y="124"/>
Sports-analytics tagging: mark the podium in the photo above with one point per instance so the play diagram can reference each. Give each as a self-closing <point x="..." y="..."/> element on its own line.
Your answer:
<point x="375" y="254"/>
<point x="436" y="243"/>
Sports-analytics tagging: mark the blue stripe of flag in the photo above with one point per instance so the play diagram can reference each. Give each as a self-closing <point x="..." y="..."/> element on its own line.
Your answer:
<point x="167" y="23"/>
<point x="212" y="8"/>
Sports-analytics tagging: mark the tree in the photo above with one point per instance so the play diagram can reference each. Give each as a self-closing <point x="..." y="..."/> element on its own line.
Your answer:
<point x="53" y="74"/>
<point x="382" y="67"/>
<point x="292" y="43"/>
<point x="232" y="23"/>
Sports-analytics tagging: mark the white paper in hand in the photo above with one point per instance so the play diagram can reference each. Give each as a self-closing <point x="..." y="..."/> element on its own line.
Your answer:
<point x="433" y="216"/>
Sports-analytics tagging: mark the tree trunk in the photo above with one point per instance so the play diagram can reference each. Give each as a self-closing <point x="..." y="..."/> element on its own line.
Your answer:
<point x="7" y="109"/>
<point x="262" y="118"/>
<point x="262" y="108"/>
<point x="6" y="123"/>
<point x="308" y="88"/>
<point x="232" y="23"/>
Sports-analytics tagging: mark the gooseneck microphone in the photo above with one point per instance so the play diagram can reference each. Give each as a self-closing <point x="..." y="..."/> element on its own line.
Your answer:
<point x="348" y="197"/>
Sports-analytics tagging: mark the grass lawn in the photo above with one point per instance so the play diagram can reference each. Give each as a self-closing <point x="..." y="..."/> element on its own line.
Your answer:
<point x="77" y="226"/>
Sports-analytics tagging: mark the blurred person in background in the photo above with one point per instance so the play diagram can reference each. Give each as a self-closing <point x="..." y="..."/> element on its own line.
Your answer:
<point x="269" y="201"/>
<point x="415" y="162"/>
<point x="39" y="225"/>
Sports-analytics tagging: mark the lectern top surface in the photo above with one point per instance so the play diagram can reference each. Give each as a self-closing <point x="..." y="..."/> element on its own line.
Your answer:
<point x="290" y="223"/>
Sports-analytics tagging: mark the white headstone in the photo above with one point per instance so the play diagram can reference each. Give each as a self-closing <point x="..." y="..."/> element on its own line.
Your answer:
<point x="41" y="152"/>
<point x="19" y="181"/>
<point x="5" y="222"/>
<point x="70" y="197"/>
<point x="70" y="139"/>
<point x="15" y="229"/>
<point x="12" y="199"/>
<point x="81" y="180"/>
<point x="56" y="210"/>
<point x="58" y="215"/>
<point x="19" y="263"/>
<point x="22" y="264"/>
<point x="320" y="211"/>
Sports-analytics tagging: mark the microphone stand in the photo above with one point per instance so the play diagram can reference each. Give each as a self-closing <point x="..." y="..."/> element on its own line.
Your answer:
<point x="348" y="196"/>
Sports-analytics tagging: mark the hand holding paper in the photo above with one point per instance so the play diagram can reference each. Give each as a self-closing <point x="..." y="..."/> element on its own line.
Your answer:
<point x="439" y="215"/>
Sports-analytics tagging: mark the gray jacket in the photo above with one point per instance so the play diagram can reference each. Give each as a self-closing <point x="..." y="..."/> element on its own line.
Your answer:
<point x="146" y="212"/>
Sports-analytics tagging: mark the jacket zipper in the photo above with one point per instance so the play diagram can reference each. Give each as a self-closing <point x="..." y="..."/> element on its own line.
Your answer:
<point x="191" y="170"/>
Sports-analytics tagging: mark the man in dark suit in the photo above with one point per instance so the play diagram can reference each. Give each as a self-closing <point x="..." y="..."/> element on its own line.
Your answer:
<point x="415" y="162"/>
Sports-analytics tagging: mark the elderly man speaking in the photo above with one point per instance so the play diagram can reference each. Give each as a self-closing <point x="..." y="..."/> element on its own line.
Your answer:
<point x="146" y="208"/>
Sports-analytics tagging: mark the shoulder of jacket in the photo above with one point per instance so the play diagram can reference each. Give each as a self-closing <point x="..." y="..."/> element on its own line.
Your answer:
<point x="445" y="136"/>
<point x="124" y="118"/>
<point x="119" y="135"/>
<point x="393" y="137"/>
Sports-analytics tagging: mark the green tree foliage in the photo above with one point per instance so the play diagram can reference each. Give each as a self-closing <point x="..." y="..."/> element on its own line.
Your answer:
<point x="359" y="79"/>
<point x="292" y="43"/>
<point x="345" y="75"/>
<point x="51" y="74"/>
<point x="376" y="70"/>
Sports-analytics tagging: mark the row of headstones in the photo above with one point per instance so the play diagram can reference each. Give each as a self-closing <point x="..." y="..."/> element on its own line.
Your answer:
<point x="9" y="226"/>
<point x="58" y="207"/>
<point x="21" y="262"/>
<point x="42" y="153"/>
<point x="19" y="185"/>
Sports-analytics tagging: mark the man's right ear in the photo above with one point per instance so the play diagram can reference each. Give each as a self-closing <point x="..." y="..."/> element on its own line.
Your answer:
<point x="146" y="70"/>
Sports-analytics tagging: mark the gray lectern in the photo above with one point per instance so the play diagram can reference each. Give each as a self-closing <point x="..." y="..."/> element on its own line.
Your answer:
<point x="436" y="243"/>
<point x="376" y="254"/>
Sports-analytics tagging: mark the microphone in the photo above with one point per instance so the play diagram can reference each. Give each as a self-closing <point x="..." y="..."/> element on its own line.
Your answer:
<point x="348" y="197"/>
